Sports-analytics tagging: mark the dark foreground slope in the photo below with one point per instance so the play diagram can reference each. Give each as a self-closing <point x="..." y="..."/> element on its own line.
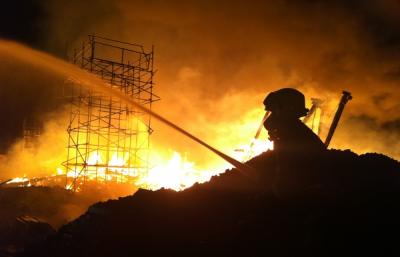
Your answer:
<point x="353" y="213"/>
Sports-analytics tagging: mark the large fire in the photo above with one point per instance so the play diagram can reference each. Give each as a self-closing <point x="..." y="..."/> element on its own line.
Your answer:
<point x="171" y="171"/>
<point x="174" y="171"/>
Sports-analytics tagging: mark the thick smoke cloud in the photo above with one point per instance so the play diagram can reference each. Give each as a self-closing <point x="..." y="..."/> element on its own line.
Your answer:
<point x="216" y="60"/>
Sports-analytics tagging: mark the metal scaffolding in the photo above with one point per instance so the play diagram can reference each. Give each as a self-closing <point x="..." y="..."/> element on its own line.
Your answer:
<point x="108" y="140"/>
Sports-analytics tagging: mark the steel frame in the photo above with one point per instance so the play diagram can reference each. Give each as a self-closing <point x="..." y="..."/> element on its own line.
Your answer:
<point x="108" y="140"/>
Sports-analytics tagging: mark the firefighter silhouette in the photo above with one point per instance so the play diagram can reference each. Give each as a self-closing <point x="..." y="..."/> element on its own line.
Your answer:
<point x="296" y="146"/>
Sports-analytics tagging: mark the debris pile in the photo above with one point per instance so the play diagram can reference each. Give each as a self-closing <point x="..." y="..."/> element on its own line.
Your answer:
<point x="354" y="214"/>
<point x="29" y="214"/>
<point x="21" y="232"/>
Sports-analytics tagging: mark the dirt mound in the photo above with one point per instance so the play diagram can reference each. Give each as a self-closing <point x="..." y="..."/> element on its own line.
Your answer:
<point x="352" y="212"/>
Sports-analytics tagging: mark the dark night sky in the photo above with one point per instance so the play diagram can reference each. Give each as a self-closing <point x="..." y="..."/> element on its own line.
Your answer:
<point x="20" y="21"/>
<point x="226" y="47"/>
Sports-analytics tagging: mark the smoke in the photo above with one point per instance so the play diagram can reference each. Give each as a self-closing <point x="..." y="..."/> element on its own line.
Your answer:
<point x="31" y="96"/>
<point x="41" y="158"/>
<point x="217" y="60"/>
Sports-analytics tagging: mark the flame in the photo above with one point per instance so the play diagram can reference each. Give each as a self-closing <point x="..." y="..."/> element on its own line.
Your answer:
<point x="176" y="173"/>
<point x="173" y="170"/>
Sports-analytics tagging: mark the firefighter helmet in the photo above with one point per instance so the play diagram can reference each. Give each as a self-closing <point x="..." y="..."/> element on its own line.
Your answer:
<point x="286" y="101"/>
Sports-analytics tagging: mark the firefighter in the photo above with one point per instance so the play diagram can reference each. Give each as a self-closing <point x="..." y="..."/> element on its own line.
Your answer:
<point x="295" y="145"/>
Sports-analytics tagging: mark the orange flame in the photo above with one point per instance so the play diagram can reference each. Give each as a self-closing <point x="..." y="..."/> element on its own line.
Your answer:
<point x="175" y="173"/>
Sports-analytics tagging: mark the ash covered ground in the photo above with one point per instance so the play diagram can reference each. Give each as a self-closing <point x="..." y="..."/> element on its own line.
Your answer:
<point x="352" y="212"/>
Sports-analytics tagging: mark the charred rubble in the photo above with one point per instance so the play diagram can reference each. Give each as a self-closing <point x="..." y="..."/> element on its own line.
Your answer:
<point x="355" y="214"/>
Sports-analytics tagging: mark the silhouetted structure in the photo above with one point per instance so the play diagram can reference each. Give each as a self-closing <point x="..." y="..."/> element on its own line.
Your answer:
<point x="343" y="101"/>
<point x="109" y="140"/>
<point x="293" y="142"/>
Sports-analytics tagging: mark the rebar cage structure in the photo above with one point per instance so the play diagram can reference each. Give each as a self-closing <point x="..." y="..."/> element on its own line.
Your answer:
<point x="108" y="140"/>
